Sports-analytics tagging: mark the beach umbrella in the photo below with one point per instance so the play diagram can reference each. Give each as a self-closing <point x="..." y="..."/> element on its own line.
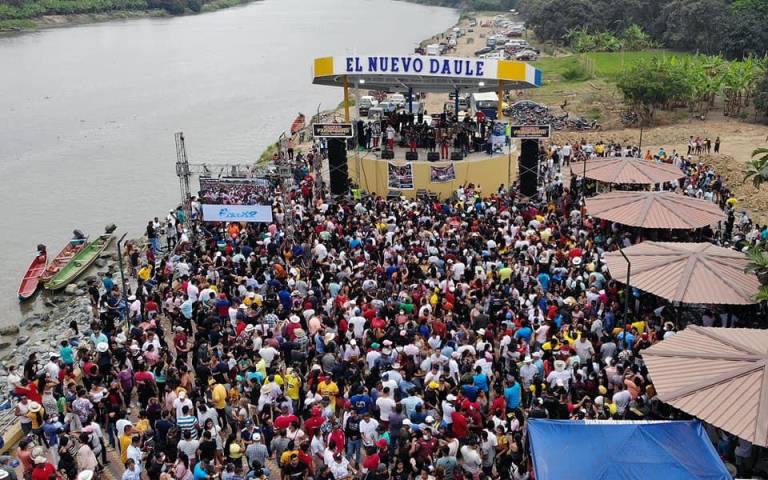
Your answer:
<point x="626" y="170"/>
<point x="719" y="375"/>
<point x="698" y="273"/>
<point x="654" y="210"/>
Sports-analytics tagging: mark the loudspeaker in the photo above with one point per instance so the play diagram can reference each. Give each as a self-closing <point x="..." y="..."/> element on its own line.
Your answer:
<point x="337" y="166"/>
<point x="528" y="167"/>
<point x="457" y="156"/>
<point x="433" y="156"/>
<point x="387" y="154"/>
<point x="393" y="194"/>
<point x="411" y="156"/>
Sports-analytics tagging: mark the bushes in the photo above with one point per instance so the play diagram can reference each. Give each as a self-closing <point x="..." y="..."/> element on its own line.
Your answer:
<point x="14" y="10"/>
<point x="632" y="38"/>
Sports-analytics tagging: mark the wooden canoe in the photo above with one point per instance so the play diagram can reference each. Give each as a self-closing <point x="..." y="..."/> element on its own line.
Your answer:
<point x="63" y="258"/>
<point x="80" y="262"/>
<point x="31" y="279"/>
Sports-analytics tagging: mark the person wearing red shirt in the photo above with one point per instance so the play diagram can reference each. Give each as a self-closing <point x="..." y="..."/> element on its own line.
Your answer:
<point x="313" y="423"/>
<point x="499" y="405"/>
<point x="459" y="425"/>
<point x="371" y="462"/>
<point x="337" y="436"/>
<point x="285" y="419"/>
<point x="43" y="470"/>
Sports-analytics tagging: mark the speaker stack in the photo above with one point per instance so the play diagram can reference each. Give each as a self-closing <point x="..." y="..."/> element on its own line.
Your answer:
<point x="387" y="154"/>
<point x="528" y="167"/>
<point x="411" y="156"/>
<point x="337" y="166"/>
<point x="433" y="156"/>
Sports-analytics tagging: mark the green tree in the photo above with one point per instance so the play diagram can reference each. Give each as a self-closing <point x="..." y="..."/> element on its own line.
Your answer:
<point x="745" y="31"/>
<point x="761" y="95"/>
<point x="653" y="84"/>
<point x="758" y="264"/>
<point x="693" y="24"/>
<point x="553" y="19"/>
<point x="757" y="167"/>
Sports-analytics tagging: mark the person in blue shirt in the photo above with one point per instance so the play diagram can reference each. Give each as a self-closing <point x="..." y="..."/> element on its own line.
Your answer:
<point x="625" y="340"/>
<point x="66" y="353"/>
<point x="544" y="279"/>
<point x="361" y="403"/>
<point x="481" y="380"/>
<point x="470" y="391"/>
<point x="512" y="395"/>
<point x="108" y="282"/>
<point x="200" y="471"/>
<point x="524" y="332"/>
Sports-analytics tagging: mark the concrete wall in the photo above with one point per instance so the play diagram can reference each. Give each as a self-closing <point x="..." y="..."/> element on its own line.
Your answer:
<point x="488" y="172"/>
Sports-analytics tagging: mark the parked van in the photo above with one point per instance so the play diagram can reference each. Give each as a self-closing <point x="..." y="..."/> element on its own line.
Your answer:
<point x="433" y="49"/>
<point x="397" y="98"/>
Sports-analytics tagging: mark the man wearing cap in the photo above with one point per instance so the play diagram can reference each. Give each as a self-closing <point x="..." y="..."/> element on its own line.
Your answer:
<point x="42" y="469"/>
<point x="256" y="452"/>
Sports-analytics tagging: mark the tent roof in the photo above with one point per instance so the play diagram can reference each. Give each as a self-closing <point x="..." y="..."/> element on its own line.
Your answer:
<point x="654" y="210"/>
<point x="700" y="273"/>
<point x="623" y="449"/>
<point x="720" y="375"/>
<point x="424" y="73"/>
<point x="627" y="170"/>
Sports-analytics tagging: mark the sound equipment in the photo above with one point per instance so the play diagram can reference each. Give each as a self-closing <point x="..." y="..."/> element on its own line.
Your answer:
<point x="433" y="156"/>
<point x="387" y="154"/>
<point x="411" y="156"/>
<point x="393" y="194"/>
<point x="337" y="166"/>
<point x="457" y="156"/>
<point x="528" y="167"/>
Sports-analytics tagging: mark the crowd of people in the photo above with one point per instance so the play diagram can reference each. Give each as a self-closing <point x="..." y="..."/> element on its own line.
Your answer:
<point x="382" y="339"/>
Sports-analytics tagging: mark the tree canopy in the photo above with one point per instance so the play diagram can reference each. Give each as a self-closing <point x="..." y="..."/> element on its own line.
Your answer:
<point x="736" y="28"/>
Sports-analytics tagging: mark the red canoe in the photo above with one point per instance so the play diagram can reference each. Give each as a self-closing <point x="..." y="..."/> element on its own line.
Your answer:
<point x="65" y="255"/>
<point x="32" y="278"/>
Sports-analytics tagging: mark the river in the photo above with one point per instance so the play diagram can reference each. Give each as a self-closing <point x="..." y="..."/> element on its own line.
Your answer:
<point x="88" y="112"/>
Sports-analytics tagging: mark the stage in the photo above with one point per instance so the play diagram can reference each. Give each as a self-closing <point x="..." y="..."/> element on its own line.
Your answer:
<point x="383" y="176"/>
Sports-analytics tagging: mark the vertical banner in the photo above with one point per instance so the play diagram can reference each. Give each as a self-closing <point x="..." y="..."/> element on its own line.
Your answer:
<point x="400" y="177"/>
<point x="442" y="174"/>
<point x="499" y="135"/>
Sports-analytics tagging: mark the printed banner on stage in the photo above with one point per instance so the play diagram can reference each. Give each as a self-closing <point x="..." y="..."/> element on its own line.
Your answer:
<point x="442" y="174"/>
<point x="235" y="191"/>
<point x="237" y="213"/>
<point x="499" y="135"/>
<point x="400" y="177"/>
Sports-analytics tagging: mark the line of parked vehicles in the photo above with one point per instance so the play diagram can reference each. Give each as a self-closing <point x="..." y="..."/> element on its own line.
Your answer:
<point x="507" y="44"/>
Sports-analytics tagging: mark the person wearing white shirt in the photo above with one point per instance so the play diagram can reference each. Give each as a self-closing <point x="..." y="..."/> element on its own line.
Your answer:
<point x="181" y="402"/>
<point x="386" y="405"/>
<point x="357" y="323"/>
<point x="268" y="354"/>
<point x="368" y="428"/>
<point x="192" y="291"/>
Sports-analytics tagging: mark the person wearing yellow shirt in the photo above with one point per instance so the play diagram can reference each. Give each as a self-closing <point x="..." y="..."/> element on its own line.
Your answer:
<point x="219" y="399"/>
<point x="328" y="388"/>
<point x="292" y="386"/>
<point x="639" y="325"/>
<point x="145" y="273"/>
<point x="125" y="442"/>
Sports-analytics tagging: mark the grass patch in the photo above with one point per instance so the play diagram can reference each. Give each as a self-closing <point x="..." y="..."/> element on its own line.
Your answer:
<point x="15" y="25"/>
<point x="575" y="68"/>
<point x="220" y="4"/>
<point x="267" y="155"/>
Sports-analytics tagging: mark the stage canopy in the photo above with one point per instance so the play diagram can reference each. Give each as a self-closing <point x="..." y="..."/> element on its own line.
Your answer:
<point x="424" y="73"/>
<point x="623" y="449"/>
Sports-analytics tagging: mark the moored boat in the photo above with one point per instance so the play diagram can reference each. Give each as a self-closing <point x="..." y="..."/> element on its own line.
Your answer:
<point x="66" y="254"/>
<point x="31" y="280"/>
<point x="81" y="261"/>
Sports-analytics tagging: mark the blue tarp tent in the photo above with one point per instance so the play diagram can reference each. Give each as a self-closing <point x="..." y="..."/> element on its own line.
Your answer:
<point x="641" y="450"/>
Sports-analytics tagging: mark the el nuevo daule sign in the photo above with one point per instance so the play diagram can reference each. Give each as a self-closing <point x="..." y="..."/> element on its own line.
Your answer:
<point x="532" y="132"/>
<point x="333" y="130"/>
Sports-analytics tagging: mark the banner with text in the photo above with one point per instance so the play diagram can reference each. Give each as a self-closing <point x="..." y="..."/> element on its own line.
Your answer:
<point x="442" y="174"/>
<point x="237" y="213"/>
<point x="332" y="130"/>
<point x="400" y="177"/>
<point x="533" y="132"/>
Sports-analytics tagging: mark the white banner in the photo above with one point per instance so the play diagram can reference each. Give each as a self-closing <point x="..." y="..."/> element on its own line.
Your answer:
<point x="237" y="213"/>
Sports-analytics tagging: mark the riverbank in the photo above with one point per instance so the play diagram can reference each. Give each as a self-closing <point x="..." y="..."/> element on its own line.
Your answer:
<point x="19" y="25"/>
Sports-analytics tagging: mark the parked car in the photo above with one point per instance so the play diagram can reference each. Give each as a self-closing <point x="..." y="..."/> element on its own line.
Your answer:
<point x="397" y="98"/>
<point x="483" y="51"/>
<point x="526" y="55"/>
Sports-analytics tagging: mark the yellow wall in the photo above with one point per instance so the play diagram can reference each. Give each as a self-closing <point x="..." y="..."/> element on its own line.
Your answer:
<point x="488" y="172"/>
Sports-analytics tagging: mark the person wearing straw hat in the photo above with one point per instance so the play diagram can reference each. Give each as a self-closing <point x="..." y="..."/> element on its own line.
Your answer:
<point x="36" y="415"/>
